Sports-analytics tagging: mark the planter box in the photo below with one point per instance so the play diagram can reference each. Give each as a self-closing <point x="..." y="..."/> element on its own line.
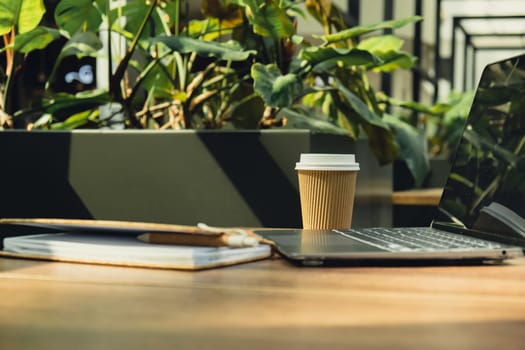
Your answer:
<point x="221" y="178"/>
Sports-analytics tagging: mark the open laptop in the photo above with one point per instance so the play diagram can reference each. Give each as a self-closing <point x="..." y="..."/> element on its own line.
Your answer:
<point x="481" y="213"/>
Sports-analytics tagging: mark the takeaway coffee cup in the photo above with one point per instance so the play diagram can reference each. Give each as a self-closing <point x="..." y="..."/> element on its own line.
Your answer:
<point x="327" y="189"/>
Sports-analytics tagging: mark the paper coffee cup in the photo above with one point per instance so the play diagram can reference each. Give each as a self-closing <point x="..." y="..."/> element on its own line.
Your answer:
<point x="327" y="189"/>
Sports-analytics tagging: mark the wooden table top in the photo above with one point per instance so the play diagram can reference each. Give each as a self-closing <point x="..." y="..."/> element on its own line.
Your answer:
<point x="261" y="305"/>
<point x="426" y="196"/>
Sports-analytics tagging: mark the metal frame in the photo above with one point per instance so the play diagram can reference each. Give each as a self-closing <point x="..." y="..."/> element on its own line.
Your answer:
<point x="470" y="47"/>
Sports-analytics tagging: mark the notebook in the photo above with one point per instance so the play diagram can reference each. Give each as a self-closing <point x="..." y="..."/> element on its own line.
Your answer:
<point x="123" y="249"/>
<point x="110" y="242"/>
<point x="480" y="216"/>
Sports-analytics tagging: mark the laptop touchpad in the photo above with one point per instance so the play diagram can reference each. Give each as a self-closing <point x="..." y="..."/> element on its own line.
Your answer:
<point x="312" y="242"/>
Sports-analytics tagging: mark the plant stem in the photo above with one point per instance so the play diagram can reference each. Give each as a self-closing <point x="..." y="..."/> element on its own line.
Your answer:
<point x="123" y="65"/>
<point x="10" y="67"/>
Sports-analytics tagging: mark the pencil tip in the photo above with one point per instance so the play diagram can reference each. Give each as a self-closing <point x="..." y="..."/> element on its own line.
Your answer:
<point x="144" y="237"/>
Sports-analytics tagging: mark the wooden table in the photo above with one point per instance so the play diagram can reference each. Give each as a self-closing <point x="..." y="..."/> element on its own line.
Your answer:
<point x="426" y="196"/>
<point x="262" y="305"/>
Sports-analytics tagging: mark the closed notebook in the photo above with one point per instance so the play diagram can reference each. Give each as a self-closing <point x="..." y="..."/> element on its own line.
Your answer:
<point x="126" y="250"/>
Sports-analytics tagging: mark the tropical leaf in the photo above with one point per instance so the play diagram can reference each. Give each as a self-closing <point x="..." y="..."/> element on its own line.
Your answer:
<point x="301" y="118"/>
<point x="379" y="134"/>
<point x="226" y="12"/>
<point x="246" y="111"/>
<point x="76" y="120"/>
<point x="360" y="107"/>
<point x="65" y="105"/>
<point x="388" y="50"/>
<point x="325" y="59"/>
<point x="381" y="44"/>
<point x="79" y="15"/>
<point x="81" y="44"/>
<point x="209" y="29"/>
<point x="268" y="18"/>
<point x="276" y="89"/>
<point x="224" y="51"/>
<point x="160" y="22"/>
<point x="361" y="30"/>
<point x="382" y="143"/>
<point x="35" y="39"/>
<point x="412" y="148"/>
<point x="394" y="60"/>
<point x="437" y="109"/>
<point x="20" y="15"/>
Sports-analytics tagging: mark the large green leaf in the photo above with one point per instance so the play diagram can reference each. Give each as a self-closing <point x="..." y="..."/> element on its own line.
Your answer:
<point x="36" y="39"/>
<point x="412" y="148"/>
<point x="224" y="51"/>
<point x="81" y="44"/>
<point x="324" y="59"/>
<point x="20" y="15"/>
<point x="246" y="109"/>
<point x="387" y="49"/>
<point x="361" y="30"/>
<point x="308" y="119"/>
<point x="64" y="105"/>
<point x="379" y="134"/>
<point x="77" y="120"/>
<point x="459" y="106"/>
<point x="393" y="60"/>
<point x="382" y="143"/>
<point x="382" y="43"/>
<point x="76" y="15"/>
<point x="220" y="18"/>
<point x="437" y="109"/>
<point x="276" y="89"/>
<point x="268" y="18"/>
<point x="360" y="106"/>
<point x="160" y="22"/>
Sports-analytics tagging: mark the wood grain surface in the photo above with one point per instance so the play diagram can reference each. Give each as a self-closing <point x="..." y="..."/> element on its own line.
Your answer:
<point x="428" y="196"/>
<point x="261" y="305"/>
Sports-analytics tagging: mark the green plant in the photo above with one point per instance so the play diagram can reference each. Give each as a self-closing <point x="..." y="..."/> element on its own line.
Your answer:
<point x="444" y="131"/>
<point x="326" y="85"/>
<point x="242" y="66"/>
<point x="21" y="34"/>
<point x="154" y="82"/>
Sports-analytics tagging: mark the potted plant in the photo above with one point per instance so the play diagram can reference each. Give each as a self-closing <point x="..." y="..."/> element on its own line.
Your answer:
<point x="214" y="74"/>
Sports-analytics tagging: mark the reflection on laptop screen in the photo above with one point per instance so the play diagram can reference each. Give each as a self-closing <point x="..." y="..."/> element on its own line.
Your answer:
<point x="486" y="187"/>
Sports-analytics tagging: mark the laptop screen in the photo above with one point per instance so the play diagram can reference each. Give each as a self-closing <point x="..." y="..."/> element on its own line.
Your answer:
<point x="485" y="190"/>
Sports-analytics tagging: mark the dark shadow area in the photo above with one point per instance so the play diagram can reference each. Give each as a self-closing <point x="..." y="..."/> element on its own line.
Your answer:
<point x="34" y="176"/>
<point x="255" y="174"/>
<point x="413" y="215"/>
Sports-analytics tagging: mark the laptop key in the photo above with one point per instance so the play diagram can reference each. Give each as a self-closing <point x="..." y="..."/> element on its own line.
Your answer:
<point x="414" y="239"/>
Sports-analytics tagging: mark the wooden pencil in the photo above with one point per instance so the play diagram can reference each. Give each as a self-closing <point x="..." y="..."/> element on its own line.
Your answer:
<point x="230" y="240"/>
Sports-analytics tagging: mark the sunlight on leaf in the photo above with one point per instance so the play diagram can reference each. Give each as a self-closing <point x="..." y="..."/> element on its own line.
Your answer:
<point x="276" y="89"/>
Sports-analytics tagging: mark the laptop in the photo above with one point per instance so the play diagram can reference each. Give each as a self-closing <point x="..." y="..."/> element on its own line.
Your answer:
<point x="480" y="217"/>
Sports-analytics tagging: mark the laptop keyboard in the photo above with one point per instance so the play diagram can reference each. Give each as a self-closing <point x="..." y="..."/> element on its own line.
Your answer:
<point x="416" y="239"/>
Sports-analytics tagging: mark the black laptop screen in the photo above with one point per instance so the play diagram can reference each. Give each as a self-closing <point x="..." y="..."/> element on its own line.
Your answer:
<point x="486" y="187"/>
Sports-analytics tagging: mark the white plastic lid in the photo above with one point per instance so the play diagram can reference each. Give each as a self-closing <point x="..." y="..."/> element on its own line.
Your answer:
<point x="323" y="161"/>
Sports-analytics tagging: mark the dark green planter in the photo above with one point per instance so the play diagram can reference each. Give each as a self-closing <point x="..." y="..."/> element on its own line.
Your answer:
<point x="221" y="178"/>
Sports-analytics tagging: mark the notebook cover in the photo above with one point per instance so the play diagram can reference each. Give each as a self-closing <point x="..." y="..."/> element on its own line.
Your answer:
<point x="5" y="254"/>
<point x="105" y="225"/>
<point x="68" y="225"/>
